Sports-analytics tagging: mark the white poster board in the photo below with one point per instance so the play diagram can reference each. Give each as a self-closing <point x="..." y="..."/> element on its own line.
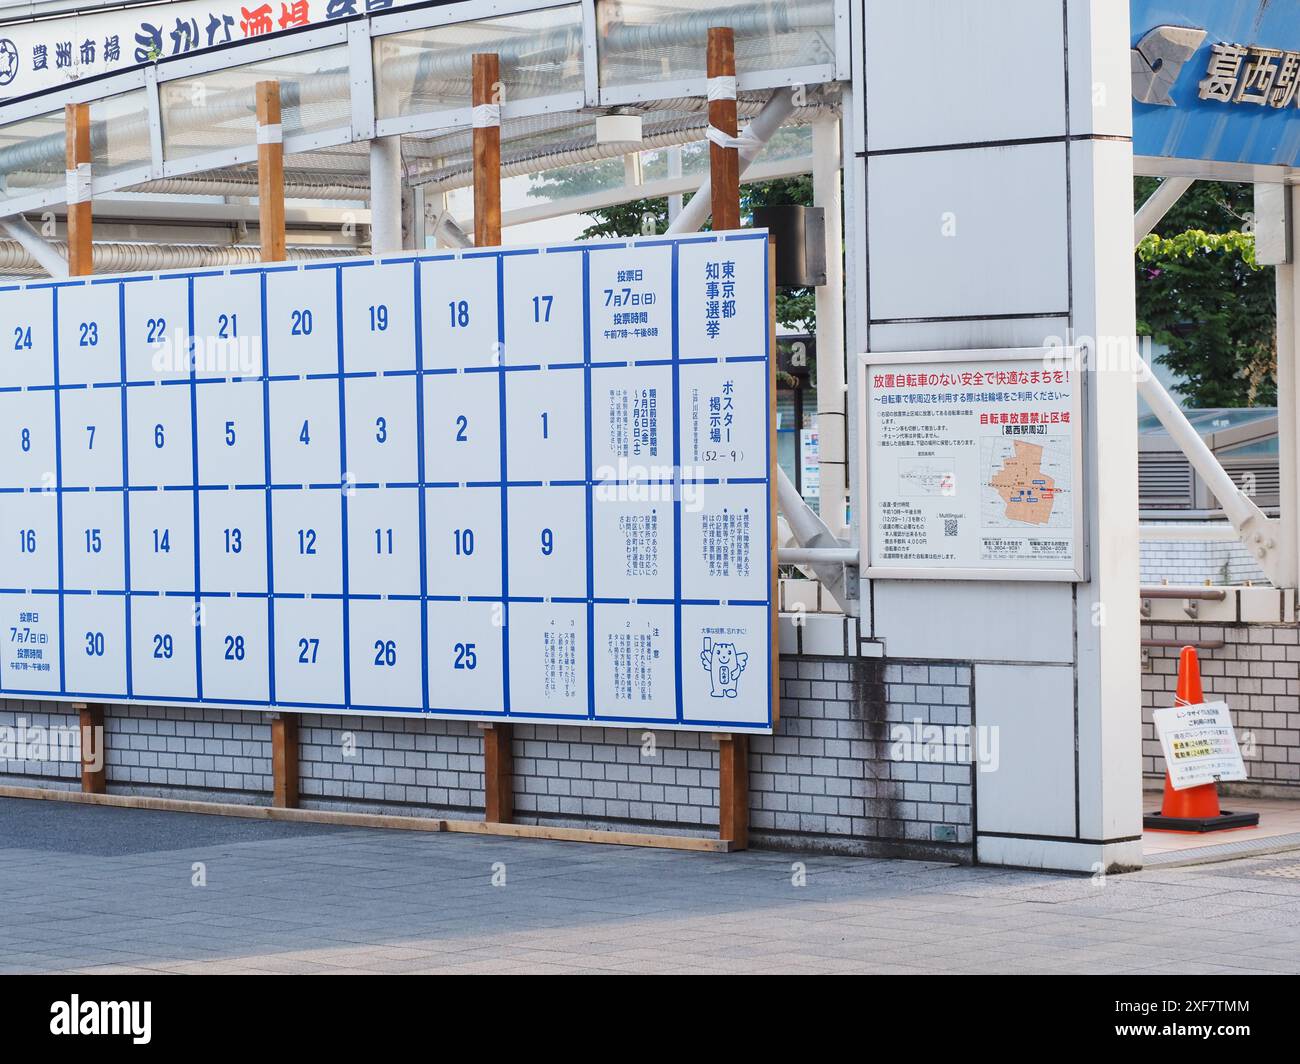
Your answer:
<point x="1199" y="744"/>
<point x="521" y="484"/>
<point x="974" y="465"/>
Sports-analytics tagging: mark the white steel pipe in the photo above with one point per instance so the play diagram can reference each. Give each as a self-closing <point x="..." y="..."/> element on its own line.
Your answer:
<point x="1150" y="214"/>
<point x="1259" y="533"/>
<point x="761" y="129"/>
<point x="386" y="194"/>
<point x="832" y="397"/>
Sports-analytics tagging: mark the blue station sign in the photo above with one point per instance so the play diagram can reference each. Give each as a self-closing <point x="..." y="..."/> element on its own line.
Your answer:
<point x="1217" y="80"/>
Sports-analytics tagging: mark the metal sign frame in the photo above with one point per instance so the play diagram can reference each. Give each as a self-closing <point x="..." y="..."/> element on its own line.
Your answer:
<point x="1015" y="570"/>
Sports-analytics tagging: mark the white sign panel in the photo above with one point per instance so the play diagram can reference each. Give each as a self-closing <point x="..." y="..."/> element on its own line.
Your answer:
<point x="523" y="484"/>
<point x="35" y="56"/>
<point x="974" y="465"/>
<point x="1199" y="744"/>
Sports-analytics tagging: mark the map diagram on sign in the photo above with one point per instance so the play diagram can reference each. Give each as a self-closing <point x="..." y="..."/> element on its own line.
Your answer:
<point x="927" y="476"/>
<point x="1023" y="482"/>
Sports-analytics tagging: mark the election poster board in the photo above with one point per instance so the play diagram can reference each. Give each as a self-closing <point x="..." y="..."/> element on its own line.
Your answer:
<point x="523" y="484"/>
<point x="974" y="464"/>
<point x="1199" y="744"/>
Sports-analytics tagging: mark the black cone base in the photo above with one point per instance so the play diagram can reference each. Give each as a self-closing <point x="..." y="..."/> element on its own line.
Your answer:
<point x="1223" y="822"/>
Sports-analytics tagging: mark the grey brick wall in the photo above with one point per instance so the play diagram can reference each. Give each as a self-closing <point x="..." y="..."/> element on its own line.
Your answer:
<point x="422" y="766"/>
<point x="1257" y="673"/>
<point x="828" y="779"/>
<point x="1188" y="562"/>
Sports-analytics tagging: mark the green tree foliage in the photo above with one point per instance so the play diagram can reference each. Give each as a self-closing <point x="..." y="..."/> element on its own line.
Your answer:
<point x="1201" y="293"/>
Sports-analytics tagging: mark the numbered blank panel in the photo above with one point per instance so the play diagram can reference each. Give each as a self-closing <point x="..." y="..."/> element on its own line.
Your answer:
<point x="155" y="326"/>
<point x="384" y="541"/>
<point x="228" y="325"/>
<point x="232" y="541"/>
<point x="633" y="542"/>
<point x="309" y="652"/>
<point x="543" y="308"/>
<point x="465" y="646"/>
<point x="308" y="531"/>
<point x="27" y="444"/>
<point x="463" y="541"/>
<point x="89" y="334"/>
<point x="305" y="432"/>
<point x="235" y="650"/>
<point x="29" y="540"/>
<point x="162" y="540"/>
<point x="381" y="430"/>
<point x="27" y="338"/>
<point x="379" y="317"/>
<point x="548" y="659"/>
<point x="724" y="419"/>
<point x="231" y="433"/>
<point x="631" y="303"/>
<point x="90" y="422"/>
<point x="726" y="314"/>
<point x="546" y="437"/>
<point x="163" y="646"/>
<point x="725" y="542"/>
<point x="159" y="436"/>
<point x="459" y="312"/>
<point x="632" y="422"/>
<point x="95" y="629"/>
<point x="302" y="322"/>
<point x="725" y="669"/>
<point x="385" y="659"/>
<point x="29" y="642"/>
<point x="635" y="649"/>
<point x="548" y="542"/>
<point x="462" y="428"/>
<point x="93" y="541"/>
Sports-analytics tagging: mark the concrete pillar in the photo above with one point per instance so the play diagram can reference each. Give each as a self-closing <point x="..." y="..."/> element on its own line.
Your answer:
<point x="998" y="211"/>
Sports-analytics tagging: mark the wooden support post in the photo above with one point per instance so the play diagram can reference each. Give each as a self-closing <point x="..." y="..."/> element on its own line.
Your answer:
<point x="76" y="120"/>
<point x="284" y="761"/>
<point x="498" y="774"/>
<point x="724" y="163"/>
<point x="487" y="149"/>
<point x="270" y="171"/>
<point x="270" y="221"/>
<point x="724" y="182"/>
<point x="498" y="761"/>
<point x="94" y="748"/>
<point x="733" y="790"/>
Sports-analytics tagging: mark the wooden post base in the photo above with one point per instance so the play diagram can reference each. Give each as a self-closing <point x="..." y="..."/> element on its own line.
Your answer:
<point x="733" y="790"/>
<point x="94" y="749"/>
<point x="498" y="774"/>
<point x="284" y="761"/>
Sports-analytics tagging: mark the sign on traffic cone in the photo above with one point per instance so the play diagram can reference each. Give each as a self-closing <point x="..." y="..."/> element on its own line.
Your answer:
<point x="1193" y="809"/>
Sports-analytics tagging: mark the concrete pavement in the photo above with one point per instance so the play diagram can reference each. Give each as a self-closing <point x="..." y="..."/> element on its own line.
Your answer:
<point x="115" y="890"/>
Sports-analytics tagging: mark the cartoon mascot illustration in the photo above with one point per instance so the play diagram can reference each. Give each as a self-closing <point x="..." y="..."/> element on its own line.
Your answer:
<point x="724" y="665"/>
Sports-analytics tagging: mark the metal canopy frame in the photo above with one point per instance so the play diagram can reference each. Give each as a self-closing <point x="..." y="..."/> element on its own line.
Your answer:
<point x="353" y="84"/>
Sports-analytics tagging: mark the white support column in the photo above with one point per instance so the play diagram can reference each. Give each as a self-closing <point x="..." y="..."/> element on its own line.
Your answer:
<point x="1288" y="406"/>
<point x="386" y="195"/>
<point x="1055" y="665"/>
<point x="831" y="393"/>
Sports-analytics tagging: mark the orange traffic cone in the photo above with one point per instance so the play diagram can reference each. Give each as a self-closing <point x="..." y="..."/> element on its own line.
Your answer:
<point x="1194" y="809"/>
